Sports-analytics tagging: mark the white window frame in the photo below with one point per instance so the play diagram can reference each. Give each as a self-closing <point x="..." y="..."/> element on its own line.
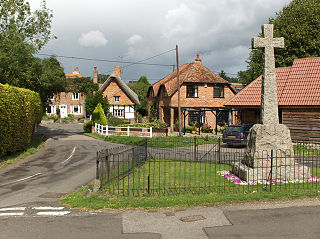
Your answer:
<point x="53" y="110"/>
<point x="118" y="112"/>
<point x="79" y="110"/>
<point x="117" y="99"/>
<point x="75" y="96"/>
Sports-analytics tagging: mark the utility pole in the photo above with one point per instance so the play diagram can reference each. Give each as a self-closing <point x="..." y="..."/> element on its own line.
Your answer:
<point x="179" y="106"/>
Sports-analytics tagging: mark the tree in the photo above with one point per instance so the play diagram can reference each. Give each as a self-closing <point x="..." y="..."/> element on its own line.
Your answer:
<point x="102" y="78"/>
<point x="298" y="23"/>
<point x="141" y="89"/>
<point x="224" y="76"/>
<point x="34" y="27"/>
<point x="93" y="100"/>
<point x="98" y="116"/>
<point x="23" y="33"/>
<point x="82" y="85"/>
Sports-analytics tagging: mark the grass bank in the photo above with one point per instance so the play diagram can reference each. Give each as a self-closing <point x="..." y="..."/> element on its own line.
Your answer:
<point x="159" y="142"/>
<point x="36" y="143"/>
<point x="78" y="199"/>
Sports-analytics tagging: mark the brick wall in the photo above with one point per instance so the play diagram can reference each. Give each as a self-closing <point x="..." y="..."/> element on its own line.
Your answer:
<point x="114" y="90"/>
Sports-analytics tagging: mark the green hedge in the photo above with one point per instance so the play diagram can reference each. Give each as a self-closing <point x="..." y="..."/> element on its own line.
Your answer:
<point x="20" y="109"/>
<point x="98" y="116"/>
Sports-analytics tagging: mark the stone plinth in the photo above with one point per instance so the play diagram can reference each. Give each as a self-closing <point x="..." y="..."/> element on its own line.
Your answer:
<point x="258" y="159"/>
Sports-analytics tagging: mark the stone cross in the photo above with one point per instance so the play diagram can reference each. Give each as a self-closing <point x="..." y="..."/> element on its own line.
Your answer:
<point x="269" y="99"/>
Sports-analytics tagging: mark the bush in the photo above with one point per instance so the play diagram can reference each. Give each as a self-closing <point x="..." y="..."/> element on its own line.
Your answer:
<point x="115" y="121"/>
<point x="20" y="110"/>
<point x="157" y="124"/>
<point x="98" y="116"/>
<point x="87" y="127"/>
<point x="206" y="128"/>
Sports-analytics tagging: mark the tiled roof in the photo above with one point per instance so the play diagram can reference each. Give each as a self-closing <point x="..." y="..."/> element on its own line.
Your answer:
<point x="72" y="76"/>
<point x="190" y="72"/>
<point x="298" y="85"/>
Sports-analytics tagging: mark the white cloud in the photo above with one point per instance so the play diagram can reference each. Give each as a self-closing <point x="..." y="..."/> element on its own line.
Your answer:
<point x="179" y="21"/>
<point x="134" y="39"/>
<point x="92" y="39"/>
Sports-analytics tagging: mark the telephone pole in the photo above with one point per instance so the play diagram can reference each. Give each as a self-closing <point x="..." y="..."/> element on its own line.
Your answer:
<point x="179" y="106"/>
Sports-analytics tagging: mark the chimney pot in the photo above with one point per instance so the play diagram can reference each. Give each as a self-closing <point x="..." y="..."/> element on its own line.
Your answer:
<point x="198" y="60"/>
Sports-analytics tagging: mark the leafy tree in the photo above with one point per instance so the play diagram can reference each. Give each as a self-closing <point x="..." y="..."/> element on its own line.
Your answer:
<point x="98" y="116"/>
<point x="141" y="89"/>
<point x="23" y="33"/>
<point x="298" y="23"/>
<point x="93" y="100"/>
<point x="224" y="76"/>
<point x="33" y="27"/>
<point x="102" y="78"/>
<point x="82" y="85"/>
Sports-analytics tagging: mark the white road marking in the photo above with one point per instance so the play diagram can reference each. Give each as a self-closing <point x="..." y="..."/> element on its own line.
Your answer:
<point x="74" y="149"/>
<point x="12" y="209"/>
<point x="53" y="213"/>
<point x="6" y="214"/>
<point x="23" y="179"/>
<point x="47" y="208"/>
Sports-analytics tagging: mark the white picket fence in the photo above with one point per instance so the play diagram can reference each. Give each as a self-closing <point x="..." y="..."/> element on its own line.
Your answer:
<point x="106" y="130"/>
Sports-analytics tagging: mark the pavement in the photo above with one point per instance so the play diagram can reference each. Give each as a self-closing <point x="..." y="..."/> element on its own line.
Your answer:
<point x="30" y="192"/>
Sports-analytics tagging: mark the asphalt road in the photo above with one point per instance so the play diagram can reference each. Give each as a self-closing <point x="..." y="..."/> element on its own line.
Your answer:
<point x="66" y="162"/>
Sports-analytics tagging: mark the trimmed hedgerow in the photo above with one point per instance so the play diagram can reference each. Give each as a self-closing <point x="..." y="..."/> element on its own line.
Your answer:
<point x="20" y="109"/>
<point x="98" y="116"/>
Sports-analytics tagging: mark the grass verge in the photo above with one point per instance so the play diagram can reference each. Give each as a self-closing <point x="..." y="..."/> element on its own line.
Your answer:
<point x="36" y="143"/>
<point x="158" y="142"/>
<point x="103" y="201"/>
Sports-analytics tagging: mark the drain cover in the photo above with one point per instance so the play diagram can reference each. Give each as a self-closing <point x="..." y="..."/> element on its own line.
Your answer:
<point x="52" y="195"/>
<point x="192" y="218"/>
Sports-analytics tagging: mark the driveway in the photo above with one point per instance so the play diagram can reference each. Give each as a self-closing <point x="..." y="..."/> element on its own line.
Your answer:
<point x="65" y="163"/>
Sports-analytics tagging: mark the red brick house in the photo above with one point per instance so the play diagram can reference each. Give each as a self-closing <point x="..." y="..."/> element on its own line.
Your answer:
<point x="202" y="96"/>
<point x="121" y="98"/>
<point x="298" y="89"/>
<point x="68" y="102"/>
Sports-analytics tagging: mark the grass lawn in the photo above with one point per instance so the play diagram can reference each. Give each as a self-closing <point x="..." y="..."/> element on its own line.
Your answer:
<point x="36" y="144"/>
<point x="183" y="184"/>
<point x="159" y="142"/>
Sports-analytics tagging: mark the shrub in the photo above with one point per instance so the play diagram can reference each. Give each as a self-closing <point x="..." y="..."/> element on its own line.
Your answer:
<point x="206" y="128"/>
<point x="157" y="124"/>
<point x="20" y="110"/>
<point x="98" y="116"/>
<point x="115" y="121"/>
<point x="87" y="127"/>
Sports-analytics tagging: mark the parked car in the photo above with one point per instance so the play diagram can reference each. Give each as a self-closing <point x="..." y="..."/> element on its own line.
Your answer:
<point x="236" y="134"/>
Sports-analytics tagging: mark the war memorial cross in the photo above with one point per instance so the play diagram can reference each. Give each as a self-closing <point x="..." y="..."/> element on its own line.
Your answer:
<point x="269" y="99"/>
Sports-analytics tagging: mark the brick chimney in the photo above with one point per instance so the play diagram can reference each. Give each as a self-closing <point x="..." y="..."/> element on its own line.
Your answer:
<point x="76" y="71"/>
<point x="95" y="75"/>
<point x="117" y="69"/>
<point x="197" y="60"/>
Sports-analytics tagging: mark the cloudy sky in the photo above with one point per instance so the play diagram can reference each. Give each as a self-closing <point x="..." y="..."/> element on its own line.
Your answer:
<point x="133" y="30"/>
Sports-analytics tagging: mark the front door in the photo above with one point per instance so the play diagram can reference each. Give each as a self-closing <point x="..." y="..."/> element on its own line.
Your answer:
<point x="63" y="111"/>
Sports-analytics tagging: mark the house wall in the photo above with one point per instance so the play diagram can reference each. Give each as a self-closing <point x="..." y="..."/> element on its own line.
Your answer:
<point x="124" y="104"/>
<point x="304" y="123"/>
<point x="65" y="98"/>
<point x="114" y="90"/>
<point x="205" y="99"/>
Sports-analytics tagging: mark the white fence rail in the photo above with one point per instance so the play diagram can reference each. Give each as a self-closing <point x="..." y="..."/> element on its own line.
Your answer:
<point x="106" y="130"/>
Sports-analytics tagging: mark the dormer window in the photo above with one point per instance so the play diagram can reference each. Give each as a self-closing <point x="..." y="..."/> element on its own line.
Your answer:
<point x="75" y="96"/>
<point x="116" y="98"/>
<point x="218" y="92"/>
<point x="192" y="91"/>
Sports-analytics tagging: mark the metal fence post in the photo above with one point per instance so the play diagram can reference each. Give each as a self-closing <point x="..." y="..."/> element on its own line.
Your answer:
<point x="219" y="149"/>
<point x="271" y="170"/>
<point x="195" y="148"/>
